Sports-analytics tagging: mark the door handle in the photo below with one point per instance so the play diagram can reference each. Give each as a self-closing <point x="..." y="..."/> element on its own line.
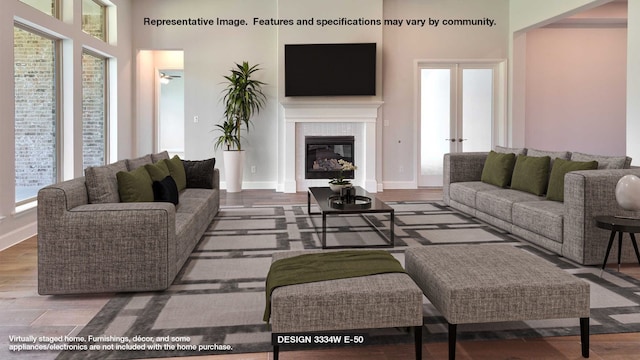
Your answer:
<point x="452" y="140"/>
<point x="459" y="140"/>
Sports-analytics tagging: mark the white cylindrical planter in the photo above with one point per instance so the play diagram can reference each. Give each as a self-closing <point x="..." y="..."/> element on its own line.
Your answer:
<point x="233" y="170"/>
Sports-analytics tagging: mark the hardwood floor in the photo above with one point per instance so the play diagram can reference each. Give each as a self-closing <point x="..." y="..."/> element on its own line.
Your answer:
<point x="24" y="312"/>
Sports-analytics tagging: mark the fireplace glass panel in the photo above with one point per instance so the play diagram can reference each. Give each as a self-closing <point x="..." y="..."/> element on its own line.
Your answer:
<point x="323" y="153"/>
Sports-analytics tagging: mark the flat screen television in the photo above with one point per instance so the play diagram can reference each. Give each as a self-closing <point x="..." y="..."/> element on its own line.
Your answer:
<point x="330" y="69"/>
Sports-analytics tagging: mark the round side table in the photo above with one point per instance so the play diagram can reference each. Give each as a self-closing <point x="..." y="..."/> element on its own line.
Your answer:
<point x="618" y="225"/>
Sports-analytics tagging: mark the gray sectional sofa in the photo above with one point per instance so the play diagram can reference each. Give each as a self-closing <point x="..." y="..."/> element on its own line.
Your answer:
<point x="90" y="242"/>
<point x="564" y="227"/>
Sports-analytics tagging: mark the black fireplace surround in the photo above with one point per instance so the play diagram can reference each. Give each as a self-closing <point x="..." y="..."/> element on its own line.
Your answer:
<point x="323" y="153"/>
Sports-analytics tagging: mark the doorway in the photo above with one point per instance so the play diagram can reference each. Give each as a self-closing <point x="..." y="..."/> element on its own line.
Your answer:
<point x="160" y="89"/>
<point x="459" y="110"/>
<point x="171" y="112"/>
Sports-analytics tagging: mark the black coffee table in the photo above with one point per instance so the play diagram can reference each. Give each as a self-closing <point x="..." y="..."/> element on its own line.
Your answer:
<point x="618" y="225"/>
<point x="322" y="197"/>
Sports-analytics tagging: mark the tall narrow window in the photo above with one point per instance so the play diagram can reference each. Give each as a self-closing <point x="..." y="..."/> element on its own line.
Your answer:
<point x="36" y="113"/>
<point x="94" y="19"/>
<point x="46" y="6"/>
<point x="93" y="110"/>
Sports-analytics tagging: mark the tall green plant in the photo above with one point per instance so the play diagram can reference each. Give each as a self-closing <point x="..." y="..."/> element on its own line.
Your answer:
<point x="243" y="97"/>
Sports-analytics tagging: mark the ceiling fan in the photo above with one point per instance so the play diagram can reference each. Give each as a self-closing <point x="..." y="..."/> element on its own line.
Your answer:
<point x="165" y="78"/>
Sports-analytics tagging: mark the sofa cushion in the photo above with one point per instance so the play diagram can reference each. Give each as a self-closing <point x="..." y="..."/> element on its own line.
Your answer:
<point x="541" y="217"/>
<point x="199" y="174"/>
<point x="566" y="155"/>
<point x="499" y="203"/>
<point x="531" y="174"/>
<point x="498" y="168"/>
<point x="465" y="192"/>
<point x="135" y="186"/>
<point x="555" y="191"/>
<point x="506" y="150"/>
<point x="102" y="184"/>
<point x="176" y="169"/>
<point x="133" y="164"/>
<point x="604" y="162"/>
<point x="165" y="190"/>
<point x="160" y="156"/>
<point x="552" y="154"/>
<point x="192" y="216"/>
<point x="158" y="171"/>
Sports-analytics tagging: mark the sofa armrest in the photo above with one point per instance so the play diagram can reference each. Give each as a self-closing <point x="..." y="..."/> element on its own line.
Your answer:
<point x="589" y="193"/>
<point x="461" y="167"/>
<point x="94" y="248"/>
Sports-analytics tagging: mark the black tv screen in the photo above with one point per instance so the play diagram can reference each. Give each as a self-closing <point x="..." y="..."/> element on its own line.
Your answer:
<point x="330" y="69"/>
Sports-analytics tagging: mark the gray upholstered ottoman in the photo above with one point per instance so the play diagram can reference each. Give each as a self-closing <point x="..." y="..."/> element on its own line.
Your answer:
<point x="491" y="283"/>
<point x="367" y="302"/>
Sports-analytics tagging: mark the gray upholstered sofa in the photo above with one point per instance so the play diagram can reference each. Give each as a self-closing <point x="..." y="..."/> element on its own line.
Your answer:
<point x="566" y="228"/>
<point x="90" y="242"/>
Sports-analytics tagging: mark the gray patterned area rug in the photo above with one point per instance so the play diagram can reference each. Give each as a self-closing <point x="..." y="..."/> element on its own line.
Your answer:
<point x="216" y="303"/>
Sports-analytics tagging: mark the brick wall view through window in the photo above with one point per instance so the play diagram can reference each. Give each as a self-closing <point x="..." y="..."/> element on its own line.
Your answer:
<point x="93" y="110"/>
<point x="36" y="119"/>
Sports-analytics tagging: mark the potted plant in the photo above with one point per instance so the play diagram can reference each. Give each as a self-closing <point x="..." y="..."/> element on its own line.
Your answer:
<point x="243" y="98"/>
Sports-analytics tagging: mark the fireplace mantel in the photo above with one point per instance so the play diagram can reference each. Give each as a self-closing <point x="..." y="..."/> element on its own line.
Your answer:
<point x="357" y="118"/>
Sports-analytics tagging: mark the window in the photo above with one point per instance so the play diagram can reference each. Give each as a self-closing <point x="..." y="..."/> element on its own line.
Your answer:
<point x="93" y="110"/>
<point x="94" y="19"/>
<point x="36" y="113"/>
<point x="46" y="6"/>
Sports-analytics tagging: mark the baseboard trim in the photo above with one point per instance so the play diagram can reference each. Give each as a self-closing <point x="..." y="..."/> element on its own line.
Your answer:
<point x="253" y="185"/>
<point x="18" y="235"/>
<point x="399" y="185"/>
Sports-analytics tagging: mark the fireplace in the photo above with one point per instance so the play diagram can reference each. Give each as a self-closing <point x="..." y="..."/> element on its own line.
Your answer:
<point x="322" y="154"/>
<point x="302" y="119"/>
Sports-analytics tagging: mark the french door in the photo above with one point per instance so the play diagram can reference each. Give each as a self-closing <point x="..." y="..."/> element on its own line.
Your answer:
<point x="458" y="111"/>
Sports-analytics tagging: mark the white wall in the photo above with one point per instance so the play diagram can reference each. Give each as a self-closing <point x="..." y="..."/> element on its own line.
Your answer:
<point x="403" y="46"/>
<point x="576" y="89"/>
<point x="209" y="53"/>
<point x="16" y="226"/>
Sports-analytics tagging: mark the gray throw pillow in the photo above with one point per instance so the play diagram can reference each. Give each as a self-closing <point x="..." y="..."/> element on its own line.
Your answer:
<point x="506" y="150"/>
<point x="102" y="184"/>
<point x="133" y="164"/>
<point x="604" y="162"/>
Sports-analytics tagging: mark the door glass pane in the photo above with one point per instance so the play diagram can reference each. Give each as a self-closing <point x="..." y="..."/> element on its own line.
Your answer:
<point x="35" y="113"/>
<point x="435" y="123"/>
<point x="477" y="109"/>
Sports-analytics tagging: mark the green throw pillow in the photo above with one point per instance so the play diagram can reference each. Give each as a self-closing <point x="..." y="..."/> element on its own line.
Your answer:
<point x="498" y="168"/>
<point x="176" y="169"/>
<point x="135" y="186"/>
<point x="531" y="174"/>
<point x="158" y="171"/>
<point x="560" y="168"/>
